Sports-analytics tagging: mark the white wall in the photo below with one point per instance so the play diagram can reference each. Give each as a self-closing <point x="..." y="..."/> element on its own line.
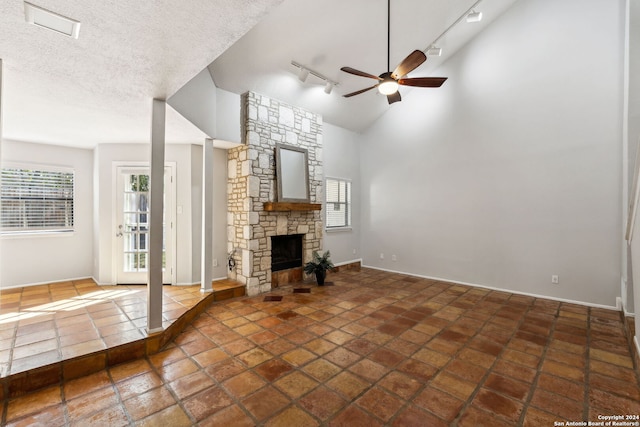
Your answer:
<point x="228" y="109"/>
<point x="510" y="172"/>
<point x="214" y="111"/>
<point x="196" y="212"/>
<point x="633" y="120"/>
<point x="219" y="212"/>
<point x="188" y="161"/>
<point x="196" y="101"/>
<point x="341" y="159"/>
<point x="635" y="260"/>
<point x="51" y="257"/>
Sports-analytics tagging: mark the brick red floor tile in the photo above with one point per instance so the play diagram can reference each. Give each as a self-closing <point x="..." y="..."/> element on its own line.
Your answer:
<point x="377" y="348"/>
<point x="322" y="403"/>
<point x="440" y="403"/>
<point x="207" y="402"/>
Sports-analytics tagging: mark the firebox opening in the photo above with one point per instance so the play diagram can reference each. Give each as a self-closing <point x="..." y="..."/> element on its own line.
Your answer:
<point x="286" y="252"/>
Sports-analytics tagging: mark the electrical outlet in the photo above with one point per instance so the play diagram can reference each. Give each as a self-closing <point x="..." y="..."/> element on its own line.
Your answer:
<point x="381" y="256"/>
<point x="354" y="251"/>
<point x="394" y="258"/>
<point x="215" y="262"/>
<point x="555" y="279"/>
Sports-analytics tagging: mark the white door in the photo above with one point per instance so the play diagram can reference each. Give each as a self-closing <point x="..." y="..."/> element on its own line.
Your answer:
<point x="132" y="219"/>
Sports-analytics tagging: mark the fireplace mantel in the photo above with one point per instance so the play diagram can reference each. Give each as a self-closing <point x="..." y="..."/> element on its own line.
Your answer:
<point x="284" y="207"/>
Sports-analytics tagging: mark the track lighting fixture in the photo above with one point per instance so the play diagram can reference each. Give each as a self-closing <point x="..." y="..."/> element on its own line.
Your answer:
<point x="304" y="72"/>
<point x="471" y="16"/>
<point x="474" y="16"/>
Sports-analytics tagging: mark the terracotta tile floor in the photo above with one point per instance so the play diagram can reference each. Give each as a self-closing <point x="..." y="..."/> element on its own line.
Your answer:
<point x="374" y="349"/>
<point x="44" y="324"/>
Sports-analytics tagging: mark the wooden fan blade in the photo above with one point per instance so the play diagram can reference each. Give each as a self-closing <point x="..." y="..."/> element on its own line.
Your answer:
<point x="359" y="73"/>
<point x="394" y="97"/>
<point x="358" y="92"/>
<point x="410" y="63"/>
<point x="423" y="81"/>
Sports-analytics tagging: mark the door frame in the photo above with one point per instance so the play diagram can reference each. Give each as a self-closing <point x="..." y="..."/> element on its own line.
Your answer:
<point x="115" y="167"/>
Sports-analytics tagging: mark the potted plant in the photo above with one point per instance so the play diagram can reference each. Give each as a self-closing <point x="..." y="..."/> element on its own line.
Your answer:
<point x="319" y="266"/>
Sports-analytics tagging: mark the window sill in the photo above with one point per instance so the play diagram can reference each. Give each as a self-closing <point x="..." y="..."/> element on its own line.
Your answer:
<point x="36" y="234"/>
<point x="337" y="229"/>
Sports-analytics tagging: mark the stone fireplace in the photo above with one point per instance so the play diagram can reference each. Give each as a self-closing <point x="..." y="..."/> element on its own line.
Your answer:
<point x="252" y="183"/>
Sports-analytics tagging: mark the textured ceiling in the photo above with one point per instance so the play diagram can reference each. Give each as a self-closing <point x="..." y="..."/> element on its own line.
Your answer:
<point x="99" y="88"/>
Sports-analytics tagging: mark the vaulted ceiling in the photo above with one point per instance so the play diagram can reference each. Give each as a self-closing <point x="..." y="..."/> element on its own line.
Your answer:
<point x="325" y="36"/>
<point x="99" y="87"/>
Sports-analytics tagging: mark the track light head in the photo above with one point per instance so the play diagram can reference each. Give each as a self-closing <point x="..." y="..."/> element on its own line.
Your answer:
<point x="304" y="73"/>
<point x="474" y="16"/>
<point x="434" y="51"/>
<point x="328" y="88"/>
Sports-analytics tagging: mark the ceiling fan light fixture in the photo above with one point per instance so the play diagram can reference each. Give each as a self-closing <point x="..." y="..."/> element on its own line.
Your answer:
<point x="389" y="82"/>
<point x="388" y="86"/>
<point x="434" y="51"/>
<point x="474" y="16"/>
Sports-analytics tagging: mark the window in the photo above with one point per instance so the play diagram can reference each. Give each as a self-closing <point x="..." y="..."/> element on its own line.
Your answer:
<point x="36" y="200"/>
<point x="338" y="203"/>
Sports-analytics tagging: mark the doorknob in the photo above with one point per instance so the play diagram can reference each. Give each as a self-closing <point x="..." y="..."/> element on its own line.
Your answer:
<point x="119" y="233"/>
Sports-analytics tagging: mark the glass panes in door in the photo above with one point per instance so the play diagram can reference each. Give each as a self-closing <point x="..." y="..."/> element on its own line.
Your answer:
<point x="135" y="227"/>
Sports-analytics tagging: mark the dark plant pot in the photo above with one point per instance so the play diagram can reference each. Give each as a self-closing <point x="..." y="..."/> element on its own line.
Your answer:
<point x="320" y="275"/>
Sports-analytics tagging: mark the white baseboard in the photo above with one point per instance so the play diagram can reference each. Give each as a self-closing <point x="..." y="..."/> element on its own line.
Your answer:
<point x="102" y="284"/>
<point x="627" y="313"/>
<point x="349" y="262"/>
<point x="26" y="285"/>
<point x="475" y="285"/>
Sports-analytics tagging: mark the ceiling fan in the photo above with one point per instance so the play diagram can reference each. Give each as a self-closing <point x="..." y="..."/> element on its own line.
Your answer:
<point x="388" y="82"/>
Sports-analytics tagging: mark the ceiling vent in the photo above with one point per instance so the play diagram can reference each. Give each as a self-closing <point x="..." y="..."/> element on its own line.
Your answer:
<point x="46" y="19"/>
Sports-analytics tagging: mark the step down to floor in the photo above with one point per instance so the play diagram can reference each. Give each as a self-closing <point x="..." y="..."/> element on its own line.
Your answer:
<point x="64" y="370"/>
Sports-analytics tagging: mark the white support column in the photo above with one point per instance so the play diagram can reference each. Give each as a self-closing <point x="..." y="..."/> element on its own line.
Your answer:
<point x="156" y="208"/>
<point x="207" y="216"/>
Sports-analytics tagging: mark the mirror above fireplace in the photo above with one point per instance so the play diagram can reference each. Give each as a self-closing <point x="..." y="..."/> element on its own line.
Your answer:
<point x="292" y="174"/>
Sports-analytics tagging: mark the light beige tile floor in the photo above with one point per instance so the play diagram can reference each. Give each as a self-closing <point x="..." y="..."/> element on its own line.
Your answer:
<point x="43" y="324"/>
<point x="374" y="349"/>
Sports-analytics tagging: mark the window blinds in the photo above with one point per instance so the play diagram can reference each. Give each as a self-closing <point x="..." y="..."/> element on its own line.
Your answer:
<point x="36" y="200"/>
<point x="338" y="203"/>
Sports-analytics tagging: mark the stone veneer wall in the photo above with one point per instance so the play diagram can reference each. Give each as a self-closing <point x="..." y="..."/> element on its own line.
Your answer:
<point x="251" y="183"/>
